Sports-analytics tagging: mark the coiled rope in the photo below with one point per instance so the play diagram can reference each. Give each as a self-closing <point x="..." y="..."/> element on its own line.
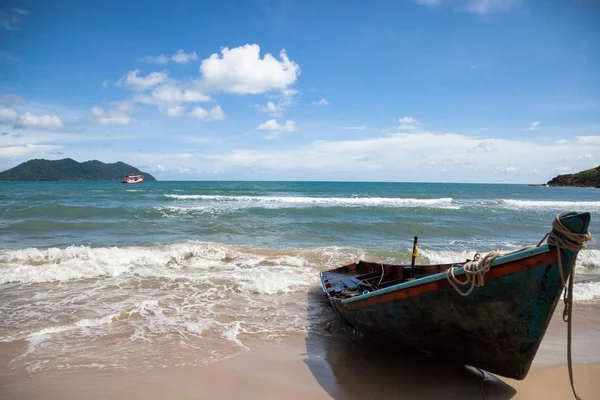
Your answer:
<point x="476" y="269"/>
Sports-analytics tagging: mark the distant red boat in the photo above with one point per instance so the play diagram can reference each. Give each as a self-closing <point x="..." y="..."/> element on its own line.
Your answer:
<point x="132" y="178"/>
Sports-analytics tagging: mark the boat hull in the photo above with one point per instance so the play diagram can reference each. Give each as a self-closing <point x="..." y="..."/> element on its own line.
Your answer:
<point x="498" y="327"/>
<point x="132" y="179"/>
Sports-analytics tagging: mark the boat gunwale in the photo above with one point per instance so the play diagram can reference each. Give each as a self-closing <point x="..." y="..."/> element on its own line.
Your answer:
<point x="442" y="275"/>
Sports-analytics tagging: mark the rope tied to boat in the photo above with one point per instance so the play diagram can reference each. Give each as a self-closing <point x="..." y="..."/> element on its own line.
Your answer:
<point x="476" y="268"/>
<point x="570" y="241"/>
<point x="574" y="242"/>
<point x="560" y="237"/>
<point x="475" y="271"/>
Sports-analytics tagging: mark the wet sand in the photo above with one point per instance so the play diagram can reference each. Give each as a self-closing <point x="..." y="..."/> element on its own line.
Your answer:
<point x="323" y="364"/>
<point x="286" y="371"/>
<point x="320" y="365"/>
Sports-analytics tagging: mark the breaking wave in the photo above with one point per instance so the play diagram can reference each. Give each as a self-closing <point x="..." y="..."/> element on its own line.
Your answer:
<point x="320" y="201"/>
<point x="80" y="303"/>
<point x="554" y="205"/>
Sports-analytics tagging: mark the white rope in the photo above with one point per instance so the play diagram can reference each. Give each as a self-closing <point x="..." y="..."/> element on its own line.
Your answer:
<point x="476" y="269"/>
<point x="572" y="241"/>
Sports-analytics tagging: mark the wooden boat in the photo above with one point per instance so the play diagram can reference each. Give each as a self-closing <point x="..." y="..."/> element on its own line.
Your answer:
<point x="498" y="327"/>
<point x="132" y="178"/>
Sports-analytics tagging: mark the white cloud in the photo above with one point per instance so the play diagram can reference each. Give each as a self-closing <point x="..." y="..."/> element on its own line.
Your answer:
<point x="118" y="115"/>
<point x="179" y="57"/>
<point x="134" y="81"/>
<point x="215" y="113"/>
<point x="28" y="120"/>
<point x="288" y="95"/>
<point x="169" y="97"/>
<point x="276" y="110"/>
<point x="275" y="128"/>
<point x="509" y="170"/>
<point x="7" y="114"/>
<point x="161" y="59"/>
<point x="590" y="140"/>
<point x="174" y="111"/>
<point x="411" y="156"/>
<point x="322" y="102"/>
<point x="11" y="19"/>
<point x="172" y="94"/>
<point x="282" y="100"/>
<point x="561" y="141"/>
<point x="273" y="125"/>
<point x="184" y="58"/>
<point x="241" y="70"/>
<point x="488" y="6"/>
<point x="105" y="83"/>
<point x="408" y="124"/>
<point x="20" y="151"/>
<point x="475" y="6"/>
<point x="272" y="107"/>
<point x="97" y="111"/>
<point x="485" y="146"/>
<point x="534" y="126"/>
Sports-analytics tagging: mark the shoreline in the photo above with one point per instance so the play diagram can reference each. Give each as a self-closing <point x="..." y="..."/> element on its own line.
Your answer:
<point x="323" y="364"/>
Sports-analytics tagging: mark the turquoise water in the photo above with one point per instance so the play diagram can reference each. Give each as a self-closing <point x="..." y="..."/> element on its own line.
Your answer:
<point x="282" y="214"/>
<point x="160" y="274"/>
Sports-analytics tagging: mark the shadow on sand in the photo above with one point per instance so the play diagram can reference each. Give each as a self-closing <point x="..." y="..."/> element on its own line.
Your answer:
<point x="351" y="367"/>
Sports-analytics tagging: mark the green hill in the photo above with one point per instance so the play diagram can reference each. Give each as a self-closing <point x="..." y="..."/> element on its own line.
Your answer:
<point x="587" y="178"/>
<point x="68" y="169"/>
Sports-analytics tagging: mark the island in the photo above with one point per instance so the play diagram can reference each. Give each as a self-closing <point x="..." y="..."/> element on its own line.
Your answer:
<point x="587" y="178"/>
<point x="68" y="169"/>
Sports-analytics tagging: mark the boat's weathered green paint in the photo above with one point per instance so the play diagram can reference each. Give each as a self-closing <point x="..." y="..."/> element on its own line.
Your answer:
<point x="498" y="327"/>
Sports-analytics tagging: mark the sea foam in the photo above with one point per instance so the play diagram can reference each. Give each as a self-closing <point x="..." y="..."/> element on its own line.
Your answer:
<point x="550" y="204"/>
<point x="321" y="201"/>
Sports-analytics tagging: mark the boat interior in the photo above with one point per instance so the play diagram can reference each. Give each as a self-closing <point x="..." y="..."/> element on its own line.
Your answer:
<point x="357" y="278"/>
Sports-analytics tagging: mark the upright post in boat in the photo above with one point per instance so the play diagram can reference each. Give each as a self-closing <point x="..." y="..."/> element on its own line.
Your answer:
<point x="415" y="255"/>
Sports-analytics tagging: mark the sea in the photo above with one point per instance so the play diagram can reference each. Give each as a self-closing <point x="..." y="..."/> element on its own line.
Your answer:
<point x="105" y="275"/>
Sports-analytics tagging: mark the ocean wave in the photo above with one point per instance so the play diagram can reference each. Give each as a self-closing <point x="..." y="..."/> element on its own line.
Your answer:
<point x="256" y="270"/>
<point x="81" y="303"/>
<point x="550" y="204"/>
<point x="322" y="201"/>
<point x="243" y="268"/>
<point x="586" y="291"/>
<point x="588" y="261"/>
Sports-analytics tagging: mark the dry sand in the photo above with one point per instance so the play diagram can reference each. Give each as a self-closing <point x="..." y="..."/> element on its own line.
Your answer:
<point x="321" y="366"/>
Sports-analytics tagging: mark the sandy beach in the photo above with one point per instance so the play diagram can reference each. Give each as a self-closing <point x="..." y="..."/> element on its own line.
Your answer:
<point x="324" y="364"/>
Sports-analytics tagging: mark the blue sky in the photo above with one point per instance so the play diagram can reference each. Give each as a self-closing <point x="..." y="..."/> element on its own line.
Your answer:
<point x="421" y="90"/>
